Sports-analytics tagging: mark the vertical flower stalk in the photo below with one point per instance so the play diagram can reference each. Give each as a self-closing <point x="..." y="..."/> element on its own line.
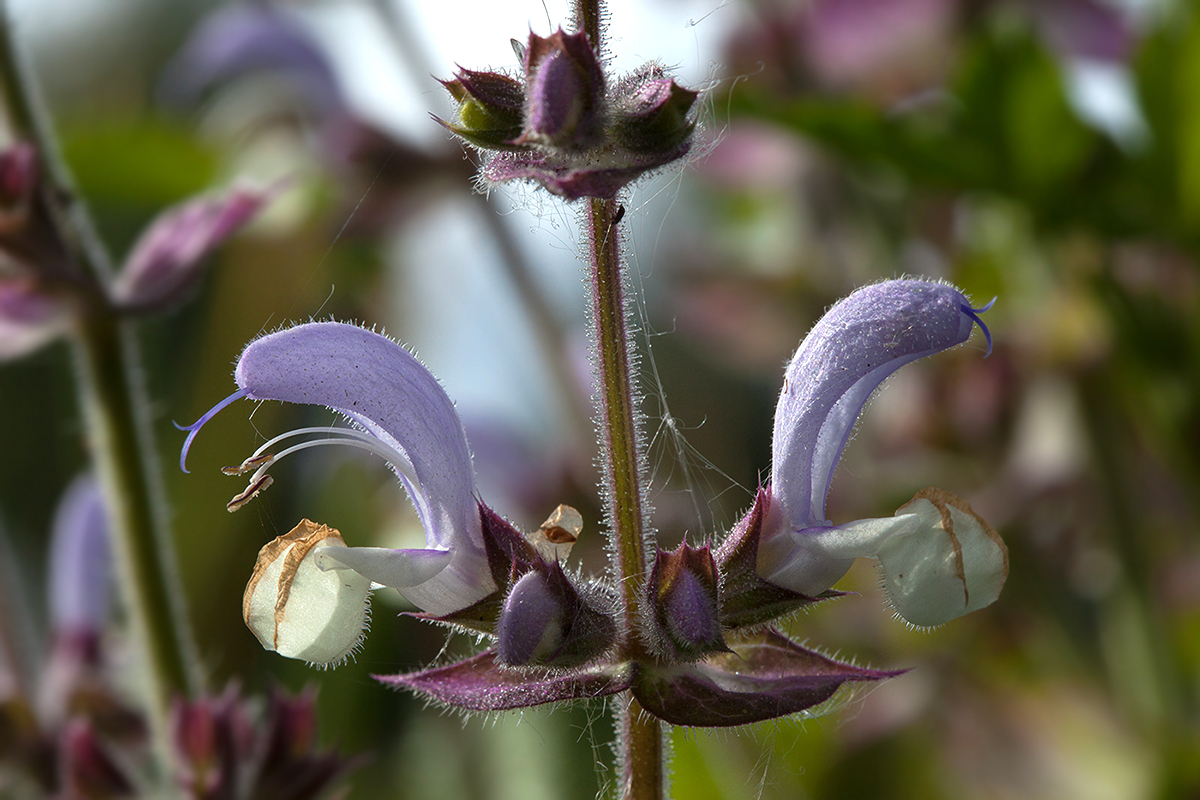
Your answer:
<point x="115" y="410"/>
<point x="639" y="735"/>
<point x="640" y="746"/>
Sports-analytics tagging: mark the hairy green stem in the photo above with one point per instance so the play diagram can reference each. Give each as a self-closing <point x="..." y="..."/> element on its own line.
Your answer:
<point x="116" y="413"/>
<point x="641" y="751"/>
<point x="639" y="735"/>
<point x="621" y="465"/>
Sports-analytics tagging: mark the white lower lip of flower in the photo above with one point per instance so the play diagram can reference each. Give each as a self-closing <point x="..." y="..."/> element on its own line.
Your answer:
<point x="939" y="559"/>
<point x="299" y="610"/>
<point x="953" y="563"/>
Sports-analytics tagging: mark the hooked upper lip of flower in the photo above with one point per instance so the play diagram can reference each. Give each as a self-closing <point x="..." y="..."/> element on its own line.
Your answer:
<point x="400" y="412"/>
<point x="855" y="347"/>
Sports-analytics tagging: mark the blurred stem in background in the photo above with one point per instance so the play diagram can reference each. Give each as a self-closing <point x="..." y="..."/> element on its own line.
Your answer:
<point x="116" y="418"/>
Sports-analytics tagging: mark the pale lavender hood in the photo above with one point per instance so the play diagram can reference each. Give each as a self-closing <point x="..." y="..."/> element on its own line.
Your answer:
<point x="845" y="357"/>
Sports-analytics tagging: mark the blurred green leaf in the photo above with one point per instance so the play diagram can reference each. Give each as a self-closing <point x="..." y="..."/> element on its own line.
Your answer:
<point x="140" y="162"/>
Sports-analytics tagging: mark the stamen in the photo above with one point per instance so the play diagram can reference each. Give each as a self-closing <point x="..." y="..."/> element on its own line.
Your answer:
<point x="974" y="313"/>
<point x="254" y="462"/>
<point x="261" y="460"/>
<point x="393" y="455"/>
<point x="352" y="439"/>
<point x="195" y="427"/>
<point x="257" y="484"/>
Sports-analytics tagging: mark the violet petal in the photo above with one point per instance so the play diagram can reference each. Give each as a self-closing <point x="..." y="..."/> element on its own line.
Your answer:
<point x="167" y="260"/>
<point x="243" y="39"/>
<point x="28" y="318"/>
<point x="845" y="357"/>
<point x="80" y="561"/>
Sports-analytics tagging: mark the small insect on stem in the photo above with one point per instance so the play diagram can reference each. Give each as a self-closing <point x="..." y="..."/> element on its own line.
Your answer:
<point x="617" y="217"/>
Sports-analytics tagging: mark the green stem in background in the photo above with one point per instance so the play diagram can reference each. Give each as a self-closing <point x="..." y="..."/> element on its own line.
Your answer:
<point x="115" y="412"/>
<point x="117" y="417"/>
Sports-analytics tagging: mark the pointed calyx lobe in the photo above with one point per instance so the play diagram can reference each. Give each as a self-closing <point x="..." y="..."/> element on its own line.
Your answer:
<point x="574" y="132"/>
<point x="491" y="109"/>
<point x="763" y="676"/>
<point x="748" y="599"/>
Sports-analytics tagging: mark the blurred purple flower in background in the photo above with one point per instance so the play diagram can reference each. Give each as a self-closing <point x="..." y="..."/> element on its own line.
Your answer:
<point x="238" y="44"/>
<point x="43" y="289"/>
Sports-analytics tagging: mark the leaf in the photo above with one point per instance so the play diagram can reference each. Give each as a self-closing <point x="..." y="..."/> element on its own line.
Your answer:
<point x="480" y="684"/>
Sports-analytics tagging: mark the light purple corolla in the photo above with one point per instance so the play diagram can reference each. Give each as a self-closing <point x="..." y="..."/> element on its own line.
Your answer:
<point x="939" y="559"/>
<point x="397" y="410"/>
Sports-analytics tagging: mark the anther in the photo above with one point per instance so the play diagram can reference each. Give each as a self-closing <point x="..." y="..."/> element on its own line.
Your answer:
<point x="250" y="464"/>
<point x="248" y="494"/>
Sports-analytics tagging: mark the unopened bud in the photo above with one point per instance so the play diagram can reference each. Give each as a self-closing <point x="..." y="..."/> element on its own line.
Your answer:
<point x="491" y="108"/>
<point x="167" y="260"/>
<point x="564" y="106"/>
<point x="652" y="113"/>
<point x="545" y="622"/>
<point x="683" y="589"/>
<point x="18" y="180"/>
<point x="87" y="769"/>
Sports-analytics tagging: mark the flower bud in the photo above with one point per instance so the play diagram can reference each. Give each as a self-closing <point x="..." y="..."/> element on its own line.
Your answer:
<point x="564" y="106"/>
<point x="29" y="318"/>
<point x="167" y="260"/>
<point x="18" y="182"/>
<point x="652" y="113"/>
<point x="302" y="604"/>
<point x="29" y="237"/>
<point x="546" y="622"/>
<point x="210" y="733"/>
<point x="491" y="108"/>
<point x="87" y="769"/>
<point x="684" y="596"/>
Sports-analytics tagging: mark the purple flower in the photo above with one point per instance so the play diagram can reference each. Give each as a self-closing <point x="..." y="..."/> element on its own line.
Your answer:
<point x="80" y="562"/>
<point x="44" y="289"/>
<point x="236" y="40"/>
<point x="167" y="261"/>
<point x="396" y="410"/>
<point x="29" y="318"/>
<point x="939" y="559"/>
